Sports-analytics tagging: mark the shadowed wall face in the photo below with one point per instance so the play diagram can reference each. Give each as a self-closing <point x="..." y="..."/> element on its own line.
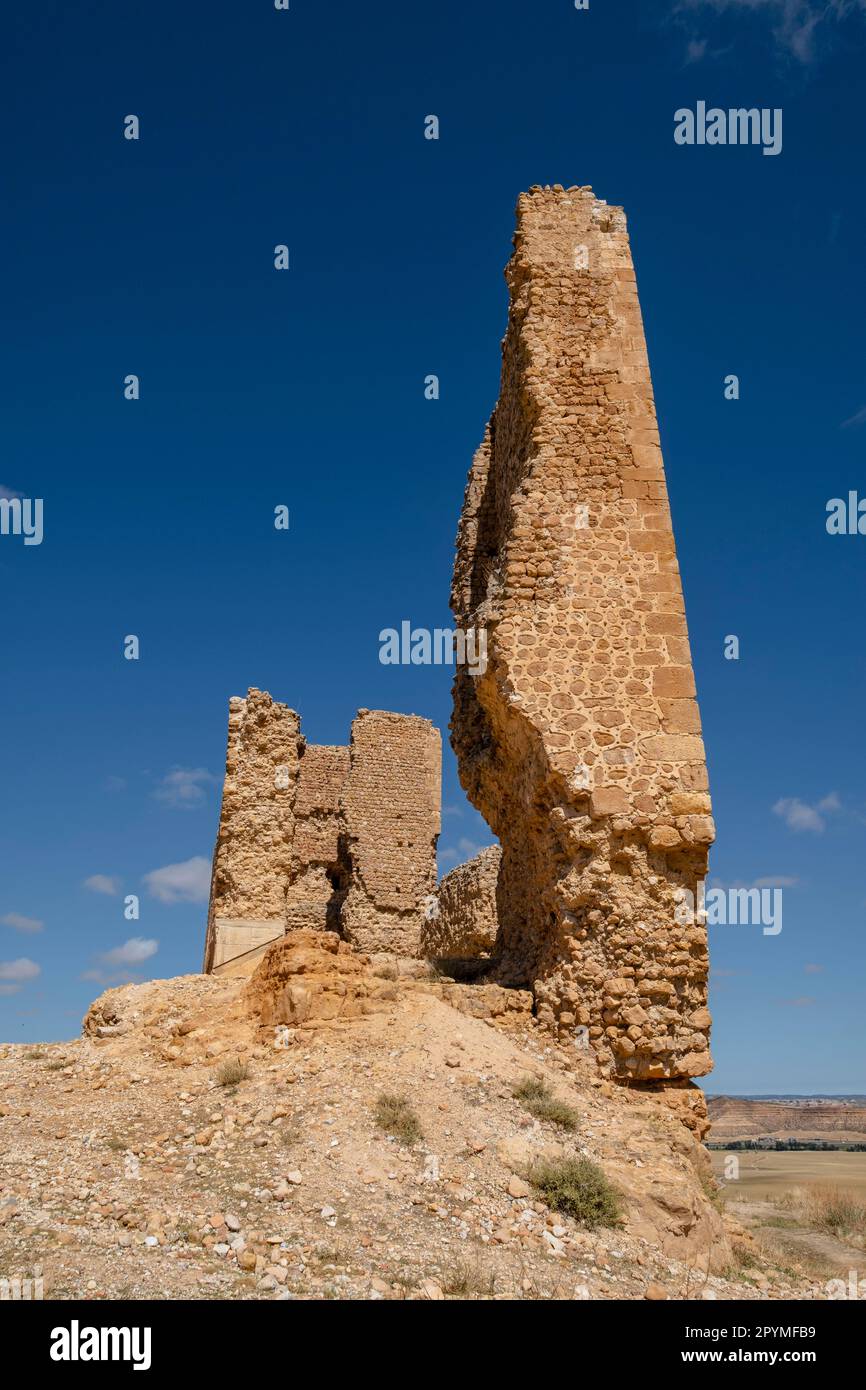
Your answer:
<point x="581" y="742"/>
<point x="323" y="837"/>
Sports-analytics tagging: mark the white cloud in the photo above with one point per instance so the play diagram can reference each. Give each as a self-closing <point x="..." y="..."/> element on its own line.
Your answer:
<point x="132" y="952"/>
<point x="858" y="418"/>
<point x="812" y="969"/>
<point x="188" y="882"/>
<point x="767" y="881"/>
<point x="109" y="977"/>
<point x="19" y="923"/>
<point x="19" y="970"/>
<point x="796" y="25"/>
<point x="8" y="493"/>
<point x="799" y="815"/>
<point x="464" y="849"/>
<point x="184" y="787"/>
<point x="101" y="883"/>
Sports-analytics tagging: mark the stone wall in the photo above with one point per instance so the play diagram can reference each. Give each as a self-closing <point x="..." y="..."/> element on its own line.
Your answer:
<point x="581" y="742"/>
<point x="320" y="837"/>
<point x="319" y="872"/>
<point x="462" y="922"/>
<point x="252" y="862"/>
<point x="391" y="807"/>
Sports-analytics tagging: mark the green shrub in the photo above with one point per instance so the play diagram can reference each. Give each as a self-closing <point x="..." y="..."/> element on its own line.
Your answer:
<point x="578" y="1188"/>
<point x="536" y="1096"/>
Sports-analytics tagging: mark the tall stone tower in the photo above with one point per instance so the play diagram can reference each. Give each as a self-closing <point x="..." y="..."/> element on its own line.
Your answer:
<point x="581" y="742"/>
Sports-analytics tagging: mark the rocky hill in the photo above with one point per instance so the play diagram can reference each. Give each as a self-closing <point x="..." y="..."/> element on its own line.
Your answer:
<point x="337" y="1127"/>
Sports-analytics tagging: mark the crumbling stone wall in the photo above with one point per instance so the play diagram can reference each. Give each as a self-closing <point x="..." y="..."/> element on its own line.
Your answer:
<point x="252" y="862"/>
<point x="319" y="876"/>
<point x="462" y="922"/>
<point x="391" y="806"/>
<point x="322" y="838"/>
<point x="581" y="742"/>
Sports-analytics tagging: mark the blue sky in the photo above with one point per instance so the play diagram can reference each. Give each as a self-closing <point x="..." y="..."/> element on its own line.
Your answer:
<point x="306" y="388"/>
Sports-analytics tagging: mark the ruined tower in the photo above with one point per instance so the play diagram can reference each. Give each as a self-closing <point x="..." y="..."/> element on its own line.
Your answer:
<point x="326" y="837"/>
<point x="581" y="742"/>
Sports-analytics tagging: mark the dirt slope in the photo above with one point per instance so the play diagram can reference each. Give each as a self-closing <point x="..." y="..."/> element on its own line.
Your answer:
<point x="129" y="1171"/>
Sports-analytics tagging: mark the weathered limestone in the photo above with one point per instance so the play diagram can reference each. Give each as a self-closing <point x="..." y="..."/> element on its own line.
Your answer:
<point x="319" y="875"/>
<point x="253" y="855"/>
<point x="312" y="979"/>
<point x="323" y="838"/>
<point x="391" y="807"/>
<point x="462" y="922"/>
<point x="581" y="742"/>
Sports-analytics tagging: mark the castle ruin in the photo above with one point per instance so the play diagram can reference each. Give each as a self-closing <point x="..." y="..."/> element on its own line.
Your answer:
<point x="581" y="742"/>
<point x="328" y="838"/>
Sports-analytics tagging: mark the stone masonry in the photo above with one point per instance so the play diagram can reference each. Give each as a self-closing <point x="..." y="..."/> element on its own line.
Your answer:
<point x="581" y="742"/>
<point x="462" y="923"/>
<point x="391" y="807"/>
<point x="323" y="838"/>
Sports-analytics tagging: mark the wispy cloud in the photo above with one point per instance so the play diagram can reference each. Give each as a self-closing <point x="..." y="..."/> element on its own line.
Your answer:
<point x="184" y="788"/>
<point x="132" y="952"/>
<point x="800" y="28"/>
<point x="801" y="1001"/>
<point x="19" y="923"/>
<point x="8" y="493"/>
<point x="15" y="973"/>
<point x="858" y="418"/>
<point x="116" y="966"/>
<point x="188" y="882"/>
<point x="101" y="883"/>
<point x="800" y="815"/>
<point x="812" y="969"/>
<point x="459" y="853"/>
<point x="767" y="881"/>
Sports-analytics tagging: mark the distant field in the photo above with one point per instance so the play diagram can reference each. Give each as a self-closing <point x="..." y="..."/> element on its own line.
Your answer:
<point x="767" y="1175"/>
